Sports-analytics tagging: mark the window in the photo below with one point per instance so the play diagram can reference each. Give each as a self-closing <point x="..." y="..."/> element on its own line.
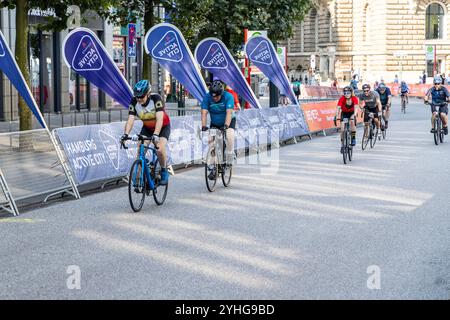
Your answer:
<point x="434" y="20"/>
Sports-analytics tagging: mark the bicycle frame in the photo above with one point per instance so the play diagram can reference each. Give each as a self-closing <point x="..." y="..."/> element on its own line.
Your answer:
<point x="144" y="165"/>
<point x="213" y="143"/>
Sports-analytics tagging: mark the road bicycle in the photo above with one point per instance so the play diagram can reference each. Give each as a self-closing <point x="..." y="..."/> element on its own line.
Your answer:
<point x="383" y="125"/>
<point x="216" y="162"/>
<point x="144" y="176"/>
<point x="438" y="128"/>
<point x="371" y="133"/>
<point x="346" y="143"/>
<point x="403" y="97"/>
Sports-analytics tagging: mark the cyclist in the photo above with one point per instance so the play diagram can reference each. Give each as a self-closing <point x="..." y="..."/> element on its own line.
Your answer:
<point x="369" y="101"/>
<point x="404" y="90"/>
<point x="149" y="108"/>
<point x="346" y="107"/>
<point x="439" y="97"/>
<point x="220" y="106"/>
<point x="386" y="100"/>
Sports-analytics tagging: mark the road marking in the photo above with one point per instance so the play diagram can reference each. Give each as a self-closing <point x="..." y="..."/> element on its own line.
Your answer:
<point x="21" y="220"/>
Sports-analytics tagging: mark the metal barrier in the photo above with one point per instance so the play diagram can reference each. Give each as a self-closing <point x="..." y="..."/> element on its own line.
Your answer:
<point x="32" y="166"/>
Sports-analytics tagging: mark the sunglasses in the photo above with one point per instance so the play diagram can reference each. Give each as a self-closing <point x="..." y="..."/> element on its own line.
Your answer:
<point x="437" y="84"/>
<point x="347" y="92"/>
<point x="366" y="90"/>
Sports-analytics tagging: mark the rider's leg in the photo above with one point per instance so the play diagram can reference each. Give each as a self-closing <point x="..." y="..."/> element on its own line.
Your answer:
<point x="230" y="146"/>
<point x="162" y="158"/>
<point x="353" y="130"/>
<point x="387" y="114"/>
<point x="444" y="118"/>
<point x="342" y="130"/>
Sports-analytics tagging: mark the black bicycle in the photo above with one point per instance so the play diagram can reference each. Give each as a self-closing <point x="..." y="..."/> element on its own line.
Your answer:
<point x="383" y="125"/>
<point x="438" y="133"/>
<point x="145" y="176"/>
<point x="346" y="144"/>
<point x="216" y="162"/>
<point x="371" y="133"/>
<point x="403" y="97"/>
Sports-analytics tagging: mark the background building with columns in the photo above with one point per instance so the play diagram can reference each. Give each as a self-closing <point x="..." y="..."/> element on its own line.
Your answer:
<point x="376" y="40"/>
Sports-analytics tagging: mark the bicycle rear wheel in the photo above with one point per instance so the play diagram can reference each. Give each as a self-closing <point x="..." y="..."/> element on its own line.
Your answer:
<point x="160" y="191"/>
<point x="403" y="105"/>
<point x="211" y="170"/>
<point x="137" y="186"/>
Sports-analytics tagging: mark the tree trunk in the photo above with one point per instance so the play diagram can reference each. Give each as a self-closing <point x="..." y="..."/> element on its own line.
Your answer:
<point x="149" y="21"/>
<point x="25" y="122"/>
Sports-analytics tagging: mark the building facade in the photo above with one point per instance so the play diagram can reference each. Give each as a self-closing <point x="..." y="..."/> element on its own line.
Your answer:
<point x="376" y="40"/>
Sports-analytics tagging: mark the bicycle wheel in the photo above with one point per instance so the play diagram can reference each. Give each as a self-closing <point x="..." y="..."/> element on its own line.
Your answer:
<point x="160" y="191"/>
<point x="344" y="147"/>
<point x="436" y="132"/>
<point x="211" y="170"/>
<point x="365" y="138"/>
<point x="349" y="147"/>
<point x="403" y="106"/>
<point x="137" y="186"/>
<point x="227" y="171"/>
<point x="383" y="132"/>
<point x="374" y="138"/>
<point x="441" y="132"/>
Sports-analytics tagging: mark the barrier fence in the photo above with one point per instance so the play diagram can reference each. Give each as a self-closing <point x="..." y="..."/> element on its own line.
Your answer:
<point x="32" y="165"/>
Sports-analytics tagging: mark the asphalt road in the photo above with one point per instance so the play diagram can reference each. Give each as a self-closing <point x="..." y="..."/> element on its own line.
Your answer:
<point x="305" y="227"/>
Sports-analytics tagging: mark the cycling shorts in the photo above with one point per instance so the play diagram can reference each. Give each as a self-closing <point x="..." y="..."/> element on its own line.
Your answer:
<point x="347" y="115"/>
<point x="443" y="108"/>
<point x="232" y="125"/>
<point x="367" y="112"/>
<point x="385" y="106"/>
<point x="164" y="133"/>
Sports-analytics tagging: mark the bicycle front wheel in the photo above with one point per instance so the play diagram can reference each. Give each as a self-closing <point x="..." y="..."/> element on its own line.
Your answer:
<point x="159" y="191"/>
<point x="137" y="186"/>
<point x="374" y="138"/>
<point x="436" y="132"/>
<point x="441" y="132"/>
<point x="211" y="170"/>
<point x="345" y="148"/>
<point x="365" y="139"/>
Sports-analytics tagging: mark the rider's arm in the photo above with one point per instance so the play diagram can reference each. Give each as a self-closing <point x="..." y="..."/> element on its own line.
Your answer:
<point x="379" y="105"/>
<point x="427" y="95"/>
<point x="129" y="124"/>
<point x="205" y="108"/>
<point x="159" y="108"/>
<point x="229" y="104"/>
<point x="131" y="114"/>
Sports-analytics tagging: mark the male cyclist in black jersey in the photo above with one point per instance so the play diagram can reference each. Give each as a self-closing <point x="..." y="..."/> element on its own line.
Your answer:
<point x="439" y="98"/>
<point x="369" y="102"/>
<point x="385" y="99"/>
<point x="149" y="108"/>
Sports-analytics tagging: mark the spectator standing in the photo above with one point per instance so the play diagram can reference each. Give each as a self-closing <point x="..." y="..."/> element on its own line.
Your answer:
<point x="396" y="79"/>
<point x="424" y="78"/>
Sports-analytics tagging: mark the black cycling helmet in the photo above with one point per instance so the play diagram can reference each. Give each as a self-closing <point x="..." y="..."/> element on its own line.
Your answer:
<point x="348" y="89"/>
<point x="366" y="86"/>
<point x="216" y="88"/>
<point x="141" y="88"/>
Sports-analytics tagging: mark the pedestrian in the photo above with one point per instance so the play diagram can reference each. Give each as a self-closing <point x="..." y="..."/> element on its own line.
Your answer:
<point x="443" y="79"/>
<point x="296" y="88"/>
<point x="396" y="79"/>
<point x="424" y="77"/>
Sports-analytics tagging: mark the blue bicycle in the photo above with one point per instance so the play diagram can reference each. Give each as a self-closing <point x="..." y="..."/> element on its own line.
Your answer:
<point x="141" y="182"/>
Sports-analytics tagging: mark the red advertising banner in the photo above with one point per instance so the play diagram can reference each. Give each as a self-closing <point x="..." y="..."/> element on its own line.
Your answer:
<point x="319" y="115"/>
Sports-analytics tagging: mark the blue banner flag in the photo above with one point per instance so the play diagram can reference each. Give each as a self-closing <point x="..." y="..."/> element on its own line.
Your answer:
<point x="261" y="52"/>
<point x="84" y="53"/>
<point x="165" y="43"/>
<point x="8" y="66"/>
<point x="213" y="56"/>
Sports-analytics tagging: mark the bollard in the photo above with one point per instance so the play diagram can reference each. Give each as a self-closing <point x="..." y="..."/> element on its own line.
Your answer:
<point x="109" y="115"/>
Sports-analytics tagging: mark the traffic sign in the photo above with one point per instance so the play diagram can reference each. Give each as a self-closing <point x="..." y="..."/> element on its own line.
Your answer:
<point x="429" y="52"/>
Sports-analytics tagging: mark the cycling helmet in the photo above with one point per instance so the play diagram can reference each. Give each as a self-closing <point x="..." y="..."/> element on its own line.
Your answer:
<point x="382" y="86"/>
<point x="142" y="88"/>
<point x="437" y="80"/>
<point x="348" y="89"/>
<point x="216" y="88"/>
<point x="366" y="86"/>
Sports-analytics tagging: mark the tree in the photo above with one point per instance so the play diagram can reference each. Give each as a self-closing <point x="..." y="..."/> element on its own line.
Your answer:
<point x="53" y="23"/>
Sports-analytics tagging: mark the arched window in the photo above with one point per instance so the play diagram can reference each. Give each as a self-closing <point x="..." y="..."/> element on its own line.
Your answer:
<point x="434" y="20"/>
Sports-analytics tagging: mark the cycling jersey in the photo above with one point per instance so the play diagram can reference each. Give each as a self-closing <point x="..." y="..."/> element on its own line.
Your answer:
<point x="438" y="97"/>
<point x="235" y="98"/>
<point x="218" y="110"/>
<point x="370" y="100"/>
<point x="347" y="108"/>
<point x="384" y="96"/>
<point x="147" y="111"/>
<point x="404" y="89"/>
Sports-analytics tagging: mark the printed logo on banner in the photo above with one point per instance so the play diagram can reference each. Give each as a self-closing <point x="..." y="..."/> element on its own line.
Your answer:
<point x="168" y="48"/>
<point x="2" y="50"/>
<point x="262" y="54"/>
<point x="111" y="147"/>
<point x="87" y="57"/>
<point x="214" y="58"/>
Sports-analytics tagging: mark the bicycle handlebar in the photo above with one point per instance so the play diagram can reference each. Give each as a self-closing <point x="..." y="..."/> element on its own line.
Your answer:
<point x="141" y="138"/>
